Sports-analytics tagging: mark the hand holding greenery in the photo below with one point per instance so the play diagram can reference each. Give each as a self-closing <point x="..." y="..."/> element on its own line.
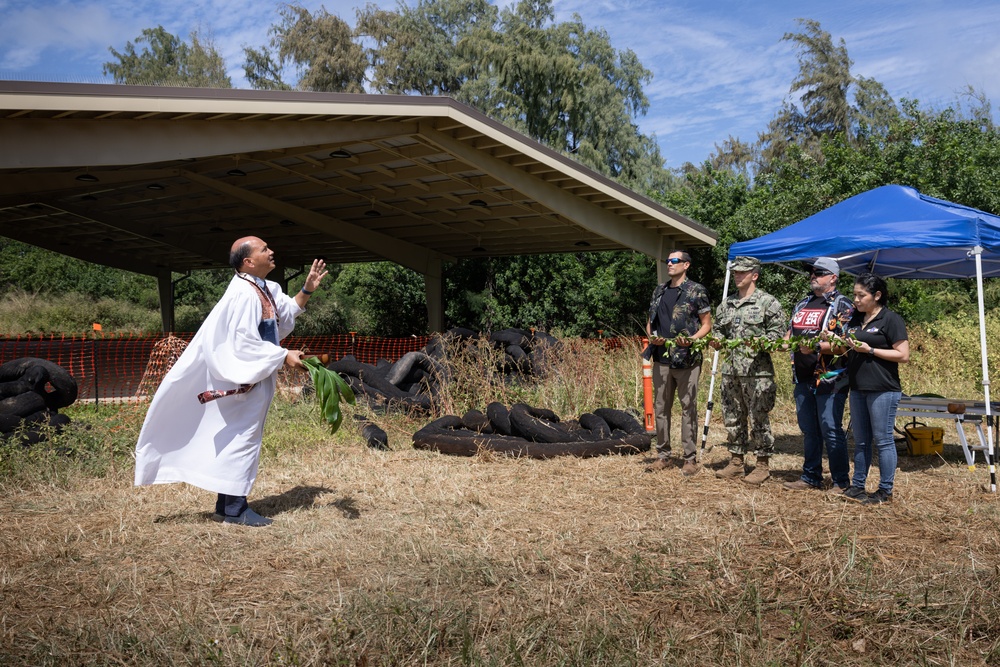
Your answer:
<point x="729" y="345"/>
<point x="330" y="388"/>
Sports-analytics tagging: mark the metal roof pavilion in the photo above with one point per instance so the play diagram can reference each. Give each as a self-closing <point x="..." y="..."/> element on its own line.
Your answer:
<point x="159" y="180"/>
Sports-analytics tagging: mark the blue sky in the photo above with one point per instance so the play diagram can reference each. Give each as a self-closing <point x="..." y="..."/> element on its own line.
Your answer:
<point x="719" y="68"/>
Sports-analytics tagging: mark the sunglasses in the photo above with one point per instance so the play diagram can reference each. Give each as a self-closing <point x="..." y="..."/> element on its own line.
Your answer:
<point x="673" y="260"/>
<point x="820" y="274"/>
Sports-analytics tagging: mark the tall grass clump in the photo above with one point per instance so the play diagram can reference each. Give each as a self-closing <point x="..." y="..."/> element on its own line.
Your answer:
<point x="96" y="441"/>
<point x="576" y="376"/>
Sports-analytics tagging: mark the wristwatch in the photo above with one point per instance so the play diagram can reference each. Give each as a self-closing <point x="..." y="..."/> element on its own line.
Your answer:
<point x="871" y="351"/>
<point x="818" y="346"/>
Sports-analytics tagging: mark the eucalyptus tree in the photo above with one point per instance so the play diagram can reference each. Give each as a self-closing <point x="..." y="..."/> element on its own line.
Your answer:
<point x="167" y="60"/>
<point x="824" y="86"/>
<point x="568" y="87"/>
<point x="415" y="49"/>
<point x="321" y="48"/>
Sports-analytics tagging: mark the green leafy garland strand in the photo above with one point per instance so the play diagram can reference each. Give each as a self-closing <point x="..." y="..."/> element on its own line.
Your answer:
<point x="729" y="345"/>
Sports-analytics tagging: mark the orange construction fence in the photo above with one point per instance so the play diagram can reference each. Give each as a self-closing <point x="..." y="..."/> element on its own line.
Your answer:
<point x="109" y="367"/>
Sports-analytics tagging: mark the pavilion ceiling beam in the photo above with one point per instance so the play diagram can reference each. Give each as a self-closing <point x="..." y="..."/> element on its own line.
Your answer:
<point x="29" y="185"/>
<point x="592" y="218"/>
<point x="33" y="143"/>
<point x="187" y="243"/>
<point x="406" y="254"/>
<point x="369" y="200"/>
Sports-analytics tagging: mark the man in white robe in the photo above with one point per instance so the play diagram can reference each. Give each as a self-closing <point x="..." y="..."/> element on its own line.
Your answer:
<point x="205" y="423"/>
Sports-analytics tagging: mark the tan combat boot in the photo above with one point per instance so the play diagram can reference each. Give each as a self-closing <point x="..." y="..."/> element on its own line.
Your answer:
<point x="734" y="469"/>
<point x="760" y="473"/>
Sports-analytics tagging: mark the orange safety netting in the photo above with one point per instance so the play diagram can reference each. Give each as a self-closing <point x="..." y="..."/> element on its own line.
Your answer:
<point x="113" y="367"/>
<point x="121" y="368"/>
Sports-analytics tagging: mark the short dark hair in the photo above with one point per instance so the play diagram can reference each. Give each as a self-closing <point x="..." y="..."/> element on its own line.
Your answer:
<point x="684" y="256"/>
<point x="238" y="254"/>
<point x="873" y="283"/>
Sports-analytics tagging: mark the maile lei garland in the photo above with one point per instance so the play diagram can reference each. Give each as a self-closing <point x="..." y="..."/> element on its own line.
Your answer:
<point x="757" y="344"/>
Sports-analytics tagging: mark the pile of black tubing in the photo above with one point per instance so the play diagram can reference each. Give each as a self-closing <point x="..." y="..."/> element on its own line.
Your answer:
<point x="534" y="432"/>
<point x="406" y="385"/>
<point x="31" y="393"/>
<point x="411" y="383"/>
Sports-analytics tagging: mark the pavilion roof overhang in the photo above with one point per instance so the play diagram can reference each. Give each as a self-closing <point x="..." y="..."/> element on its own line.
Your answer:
<point x="154" y="179"/>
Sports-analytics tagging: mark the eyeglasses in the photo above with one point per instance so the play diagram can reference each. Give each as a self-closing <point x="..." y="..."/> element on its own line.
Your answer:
<point x="673" y="260"/>
<point x="820" y="274"/>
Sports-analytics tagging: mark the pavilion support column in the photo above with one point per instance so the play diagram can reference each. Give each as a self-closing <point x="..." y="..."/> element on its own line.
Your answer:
<point x="662" y="253"/>
<point x="434" y="291"/>
<point x="278" y="276"/>
<point x="165" y="287"/>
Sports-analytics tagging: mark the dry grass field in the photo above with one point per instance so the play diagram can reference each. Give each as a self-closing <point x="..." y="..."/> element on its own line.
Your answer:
<point x="414" y="558"/>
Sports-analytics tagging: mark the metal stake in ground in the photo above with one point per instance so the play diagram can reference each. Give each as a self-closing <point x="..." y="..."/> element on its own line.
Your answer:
<point x="715" y="366"/>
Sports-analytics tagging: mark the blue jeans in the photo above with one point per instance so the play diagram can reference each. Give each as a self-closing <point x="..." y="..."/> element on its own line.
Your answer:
<point x="873" y="416"/>
<point x="821" y="418"/>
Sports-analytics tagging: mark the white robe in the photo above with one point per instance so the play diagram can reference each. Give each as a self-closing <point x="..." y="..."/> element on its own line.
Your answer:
<point x="216" y="446"/>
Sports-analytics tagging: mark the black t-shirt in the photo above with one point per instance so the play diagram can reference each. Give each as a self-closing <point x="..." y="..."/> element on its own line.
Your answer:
<point x="869" y="373"/>
<point x="665" y="311"/>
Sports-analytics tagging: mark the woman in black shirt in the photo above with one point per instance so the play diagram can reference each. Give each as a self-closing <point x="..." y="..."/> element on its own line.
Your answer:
<point x="873" y="368"/>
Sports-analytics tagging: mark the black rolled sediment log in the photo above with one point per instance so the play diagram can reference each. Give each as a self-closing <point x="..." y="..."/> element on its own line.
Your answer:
<point x="621" y="420"/>
<point x="375" y="436"/>
<point x="475" y="420"/>
<point x="58" y="388"/>
<point x="448" y="441"/>
<point x="22" y="405"/>
<point x="595" y="425"/>
<point x="499" y="416"/>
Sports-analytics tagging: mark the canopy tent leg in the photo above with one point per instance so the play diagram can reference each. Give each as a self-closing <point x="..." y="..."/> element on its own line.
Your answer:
<point x="434" y="293"/>
<point x="715" y="366"/>
<point x="978" y="253"/>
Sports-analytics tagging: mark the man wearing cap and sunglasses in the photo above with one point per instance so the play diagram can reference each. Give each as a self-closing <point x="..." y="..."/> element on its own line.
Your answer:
<point x="820" y="378"/>
<point x="680" y="312"/>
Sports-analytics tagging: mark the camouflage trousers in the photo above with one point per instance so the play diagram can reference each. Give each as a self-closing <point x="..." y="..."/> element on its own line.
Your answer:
<point x="746" y="405"/>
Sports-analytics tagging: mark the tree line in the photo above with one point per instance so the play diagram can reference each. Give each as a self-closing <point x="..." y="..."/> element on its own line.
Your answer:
<point x="835" y="135"/>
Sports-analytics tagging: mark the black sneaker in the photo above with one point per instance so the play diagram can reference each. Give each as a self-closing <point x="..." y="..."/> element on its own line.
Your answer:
<point x="878" y="498"/>
<point x="856" y="493"/>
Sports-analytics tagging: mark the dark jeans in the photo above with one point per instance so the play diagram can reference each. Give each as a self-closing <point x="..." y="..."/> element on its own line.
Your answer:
<point x="230" y="505"/>
<point x="821" y="418"/>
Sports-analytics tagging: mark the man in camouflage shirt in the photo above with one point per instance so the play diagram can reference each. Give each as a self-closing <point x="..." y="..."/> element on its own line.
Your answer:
<point x="748" y="389"/>
<point x="679" y="313"/>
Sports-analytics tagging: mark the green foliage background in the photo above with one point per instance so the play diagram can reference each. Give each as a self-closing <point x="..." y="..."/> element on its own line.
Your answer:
<point x="837" y="134"/>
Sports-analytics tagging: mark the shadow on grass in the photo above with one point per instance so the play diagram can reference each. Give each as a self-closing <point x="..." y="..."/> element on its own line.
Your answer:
<point x="303" y="497"/>
<point x="300" y="497"/>
<point x="792" y="444"/>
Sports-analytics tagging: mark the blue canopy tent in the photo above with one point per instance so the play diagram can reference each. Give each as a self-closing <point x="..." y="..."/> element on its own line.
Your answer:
<point x="896" y="232"/>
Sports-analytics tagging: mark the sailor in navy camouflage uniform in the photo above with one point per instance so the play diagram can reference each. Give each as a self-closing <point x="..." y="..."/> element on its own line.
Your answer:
<point x="748" y="388"/>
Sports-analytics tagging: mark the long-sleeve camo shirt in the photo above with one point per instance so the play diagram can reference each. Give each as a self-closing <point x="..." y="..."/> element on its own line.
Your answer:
<point x="757" y="316"/>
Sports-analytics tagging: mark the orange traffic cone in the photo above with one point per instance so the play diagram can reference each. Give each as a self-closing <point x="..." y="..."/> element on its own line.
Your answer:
<point x="647" y="390"/>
